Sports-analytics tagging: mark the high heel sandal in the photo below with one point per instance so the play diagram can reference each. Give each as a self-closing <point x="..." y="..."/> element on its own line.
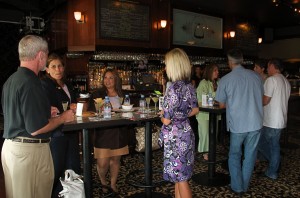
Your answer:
<point x="106" y="191"/>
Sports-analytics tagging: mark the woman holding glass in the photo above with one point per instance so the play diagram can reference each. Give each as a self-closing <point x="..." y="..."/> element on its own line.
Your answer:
<point x="64" y="146"/>
<point x="110" y="144"/>
<point x="206" y="86"/>
<point x="177" y="136"/>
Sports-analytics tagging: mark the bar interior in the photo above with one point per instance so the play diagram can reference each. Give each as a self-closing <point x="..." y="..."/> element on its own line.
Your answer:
<point x="132" y="37"/>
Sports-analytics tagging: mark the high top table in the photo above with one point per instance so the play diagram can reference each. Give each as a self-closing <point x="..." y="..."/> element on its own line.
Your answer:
<point x="211" y="177"/>
<point x="85" y="123"/>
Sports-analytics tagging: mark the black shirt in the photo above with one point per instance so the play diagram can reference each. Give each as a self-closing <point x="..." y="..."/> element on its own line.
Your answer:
<point x="25" y="105"/>
<point x="56" y="94"/>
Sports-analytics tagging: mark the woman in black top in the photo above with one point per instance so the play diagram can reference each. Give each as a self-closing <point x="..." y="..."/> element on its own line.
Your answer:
<point x="64" y="146"/>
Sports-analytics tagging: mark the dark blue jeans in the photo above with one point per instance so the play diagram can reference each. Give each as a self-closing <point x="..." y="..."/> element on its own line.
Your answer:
<point x="269" y="147"/>
<point x="65" y="154"/>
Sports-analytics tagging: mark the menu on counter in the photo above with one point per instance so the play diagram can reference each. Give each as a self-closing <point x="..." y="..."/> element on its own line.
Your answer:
<point x="123" y="20"/>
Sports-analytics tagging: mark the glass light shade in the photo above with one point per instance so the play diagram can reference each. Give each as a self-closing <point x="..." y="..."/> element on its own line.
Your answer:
<point x="77" y="16"/>
<point x="259" y="40"/>
<point x="163" y="23"/>
<point x="232" y="34"/>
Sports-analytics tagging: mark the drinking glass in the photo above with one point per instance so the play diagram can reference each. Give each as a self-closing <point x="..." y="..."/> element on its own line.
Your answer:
<point x="98" y="108"/>
<point x="148" y="100"/>
<point x="65" y="105"/>
<point x="155" y="100"/>
<point x="121" y="101"/>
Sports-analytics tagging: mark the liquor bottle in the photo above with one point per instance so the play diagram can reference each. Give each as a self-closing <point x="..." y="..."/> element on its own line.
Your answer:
<point x="107" y="108"/>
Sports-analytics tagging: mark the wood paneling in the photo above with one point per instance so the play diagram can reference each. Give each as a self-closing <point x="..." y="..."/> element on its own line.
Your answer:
<point x="58" y="33"/>
<point x="81" y="36"/>
<point x="77" y="66"/>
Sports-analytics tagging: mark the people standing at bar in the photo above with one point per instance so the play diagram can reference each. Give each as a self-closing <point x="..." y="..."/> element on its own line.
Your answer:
<point x="110" y="144"/>
<point x="28" y="120"/>
<point x="207" y="86"/>
<point x="241" y="92"/>
<point x="180" y="102"/>
<point x="260" y="66"/>
<point x="64" y="146"/>
<point x="277" y="90"/>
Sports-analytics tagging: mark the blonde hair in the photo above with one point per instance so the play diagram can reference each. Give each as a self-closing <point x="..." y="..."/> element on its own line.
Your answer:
<point x="30" y="45"/>
<point x="178" y="66"/>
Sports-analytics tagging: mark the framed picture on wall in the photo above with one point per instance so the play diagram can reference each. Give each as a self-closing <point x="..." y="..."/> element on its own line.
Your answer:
<point x="196" y="29"/>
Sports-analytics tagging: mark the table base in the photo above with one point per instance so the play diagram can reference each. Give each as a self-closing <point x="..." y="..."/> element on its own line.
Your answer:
<point x="153" y="195"/>
<point x="219" y="179"/>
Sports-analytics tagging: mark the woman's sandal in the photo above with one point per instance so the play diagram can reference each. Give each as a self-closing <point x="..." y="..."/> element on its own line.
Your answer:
<point x="106" y="191"/>
<point x="205" y="157"/>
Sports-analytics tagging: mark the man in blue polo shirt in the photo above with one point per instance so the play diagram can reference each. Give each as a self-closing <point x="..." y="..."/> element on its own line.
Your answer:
<point x="241" y="92"/>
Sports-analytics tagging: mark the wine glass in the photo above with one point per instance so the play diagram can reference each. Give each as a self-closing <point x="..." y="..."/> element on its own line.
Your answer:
<point x="121" y="101"/>
<point x="98" y="106"/>
<point x="65" y="105"/>
<point x="155" y="100"/>
<point x="148" y="100"/>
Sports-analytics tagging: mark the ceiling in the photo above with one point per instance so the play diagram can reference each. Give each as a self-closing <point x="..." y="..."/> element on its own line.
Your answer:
<point x="264" y="12"/>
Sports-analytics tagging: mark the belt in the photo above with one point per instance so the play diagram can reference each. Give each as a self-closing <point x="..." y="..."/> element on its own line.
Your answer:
<point x="30" y="140"/>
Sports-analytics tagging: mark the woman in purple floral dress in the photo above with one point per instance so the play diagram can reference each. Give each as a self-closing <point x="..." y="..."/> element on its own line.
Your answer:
<point x="180" y="102"/>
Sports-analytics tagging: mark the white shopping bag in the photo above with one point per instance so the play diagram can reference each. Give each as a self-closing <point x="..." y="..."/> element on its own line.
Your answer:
<point x="73" y="186"/>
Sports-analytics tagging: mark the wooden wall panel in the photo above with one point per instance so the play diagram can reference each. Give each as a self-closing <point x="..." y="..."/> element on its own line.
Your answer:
<point x="81" y="36"/>
<point x="77" y="66"/>
<point x="161" y="37"/>
<point x="58" y="29"/>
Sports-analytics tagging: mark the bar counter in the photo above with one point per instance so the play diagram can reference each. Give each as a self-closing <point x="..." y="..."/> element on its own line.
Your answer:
<point x="87" y="122"/>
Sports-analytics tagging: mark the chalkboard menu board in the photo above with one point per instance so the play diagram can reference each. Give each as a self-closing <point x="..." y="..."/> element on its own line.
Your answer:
<point x="247" y="39"/>
<point x="123" y="20"/>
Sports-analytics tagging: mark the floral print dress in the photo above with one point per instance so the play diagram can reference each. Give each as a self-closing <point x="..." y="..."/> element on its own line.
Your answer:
<point x="178" y="137"/>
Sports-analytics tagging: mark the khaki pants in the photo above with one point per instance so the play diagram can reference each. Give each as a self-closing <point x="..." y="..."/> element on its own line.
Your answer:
<point x="28" y="169"/>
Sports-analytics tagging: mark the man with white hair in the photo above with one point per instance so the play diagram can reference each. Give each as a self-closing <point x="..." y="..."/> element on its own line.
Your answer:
<point x="241" y="92"/>
<point x="26" y="157"/>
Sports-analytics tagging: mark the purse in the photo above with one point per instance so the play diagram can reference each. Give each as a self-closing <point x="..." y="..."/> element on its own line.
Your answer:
<point x="73" y="186"/>
<point x="140" y="138"/>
